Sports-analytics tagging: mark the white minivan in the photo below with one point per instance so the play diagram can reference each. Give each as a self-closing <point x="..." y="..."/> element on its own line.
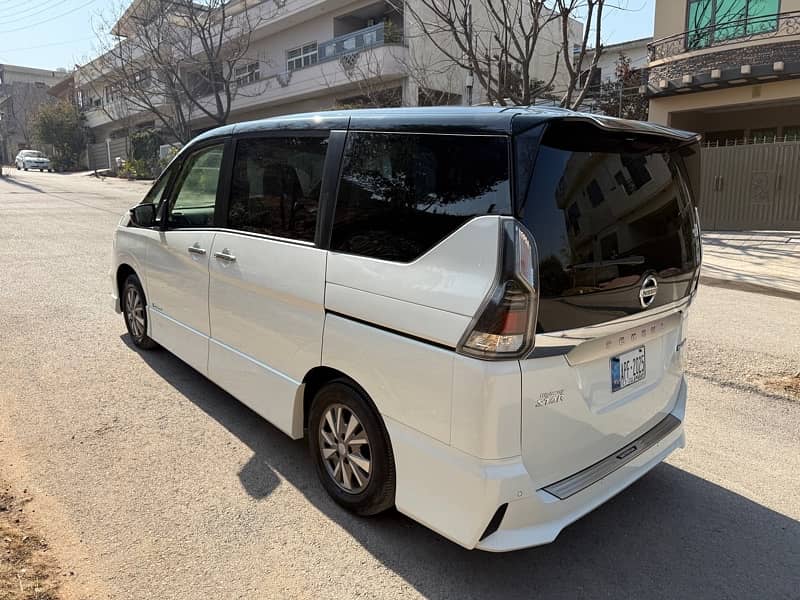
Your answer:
<point x="475" y="315"/>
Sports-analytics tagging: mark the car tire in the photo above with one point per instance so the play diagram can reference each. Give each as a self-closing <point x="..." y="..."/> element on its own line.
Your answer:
<point x="365" y="467"/>
<point x="24" y="168"/>
<point x="41" y="170"/>
<point x="134" y="311"/>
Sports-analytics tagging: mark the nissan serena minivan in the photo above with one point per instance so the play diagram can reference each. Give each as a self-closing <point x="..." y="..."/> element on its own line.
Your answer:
<point x="475" y="315"/>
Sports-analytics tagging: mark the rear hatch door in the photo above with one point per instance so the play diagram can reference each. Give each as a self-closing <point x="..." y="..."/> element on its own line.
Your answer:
<point x="618" y="243"/>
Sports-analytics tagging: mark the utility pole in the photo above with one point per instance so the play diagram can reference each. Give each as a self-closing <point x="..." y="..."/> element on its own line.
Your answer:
<point x="470" y="80"/>
<point x="2" y="142"/>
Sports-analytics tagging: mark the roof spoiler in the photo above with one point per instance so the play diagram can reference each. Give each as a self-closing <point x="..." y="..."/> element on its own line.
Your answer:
<point x="641" y="127"/>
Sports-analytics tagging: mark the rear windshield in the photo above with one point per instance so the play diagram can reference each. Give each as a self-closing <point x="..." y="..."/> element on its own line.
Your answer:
<point x="607" y="211"/>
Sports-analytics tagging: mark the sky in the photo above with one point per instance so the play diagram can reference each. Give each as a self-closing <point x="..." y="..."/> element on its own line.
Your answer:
<point x="49" y="34"/>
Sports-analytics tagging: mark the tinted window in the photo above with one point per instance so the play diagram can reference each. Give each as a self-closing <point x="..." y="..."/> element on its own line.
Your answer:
<point x="195" y="191"/>
<point x="157" y="191"/>
<point x="400" y="194"/>
<point x="606" y="211"/>
<point x="276" y="185"/>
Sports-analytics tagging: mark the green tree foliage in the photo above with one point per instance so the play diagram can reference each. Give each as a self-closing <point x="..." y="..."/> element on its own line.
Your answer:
<point x="144" y="152"/>
<point x="60" y="125"/>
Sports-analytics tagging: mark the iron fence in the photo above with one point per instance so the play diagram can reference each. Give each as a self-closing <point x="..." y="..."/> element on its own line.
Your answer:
<point x="734" y="31"/>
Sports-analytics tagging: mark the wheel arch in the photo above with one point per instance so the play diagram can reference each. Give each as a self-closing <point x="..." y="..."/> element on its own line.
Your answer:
<point x="124" y="270"/>
<point x="320" y="376"/>
<point x="314" y="381"/>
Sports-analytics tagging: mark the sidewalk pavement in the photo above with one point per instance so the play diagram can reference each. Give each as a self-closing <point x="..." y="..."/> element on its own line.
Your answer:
<point x="767" y="262"/>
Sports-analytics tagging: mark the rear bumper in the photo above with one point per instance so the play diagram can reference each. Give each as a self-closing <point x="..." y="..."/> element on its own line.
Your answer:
<point x="540" y="518"/>
<point x="457" y="495"/>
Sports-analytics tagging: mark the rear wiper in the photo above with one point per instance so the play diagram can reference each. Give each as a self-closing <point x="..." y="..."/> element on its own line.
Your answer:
<point x="628" y="260"/>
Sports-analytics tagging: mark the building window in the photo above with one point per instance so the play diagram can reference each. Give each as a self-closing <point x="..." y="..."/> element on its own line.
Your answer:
<point x="142" y="78"/>
<point x="246" y="74"/>
<point x="713" y="21"/>
<point x="302" y="56"/>
<point x="724" y="138"/>
<point x="206" y="82"/>
<point x="596" y="197"/>
<point x="765" y="135"/>
<point x="791" y="133"/>
<point x="112" y="93"/>
<point x="595" y="80"/>
<point x="636" y="164"/>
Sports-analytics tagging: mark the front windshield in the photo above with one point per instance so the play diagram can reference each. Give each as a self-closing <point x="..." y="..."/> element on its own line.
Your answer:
<point x="33" y="153"/>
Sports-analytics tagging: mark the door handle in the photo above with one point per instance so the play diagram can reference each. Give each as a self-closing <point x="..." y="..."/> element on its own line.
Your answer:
<point x="196" y="250"/>
<point x="225" y="255"/>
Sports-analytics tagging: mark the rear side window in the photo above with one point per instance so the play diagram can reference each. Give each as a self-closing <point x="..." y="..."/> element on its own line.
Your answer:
<point x="276" y="186"/>
<point x="401" y="194"/>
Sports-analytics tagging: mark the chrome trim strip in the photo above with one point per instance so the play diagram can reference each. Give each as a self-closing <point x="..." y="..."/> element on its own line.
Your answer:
<point x="582" y="479"/>
<point x="572" y="338"/>
<point x="620" y="341"/>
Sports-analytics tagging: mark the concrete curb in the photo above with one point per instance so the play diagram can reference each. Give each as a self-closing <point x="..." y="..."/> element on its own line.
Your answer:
<point x="746" y="286"/>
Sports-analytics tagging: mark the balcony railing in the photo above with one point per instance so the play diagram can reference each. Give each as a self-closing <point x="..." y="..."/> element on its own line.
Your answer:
<point x="376" y="35"/>
<point x="726" y="33"/>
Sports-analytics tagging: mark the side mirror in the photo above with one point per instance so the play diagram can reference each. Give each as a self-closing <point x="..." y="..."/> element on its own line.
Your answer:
<point x="143" y="215"/>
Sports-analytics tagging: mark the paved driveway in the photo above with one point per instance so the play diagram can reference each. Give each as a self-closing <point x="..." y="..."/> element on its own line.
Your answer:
<point x="151" y="482"/>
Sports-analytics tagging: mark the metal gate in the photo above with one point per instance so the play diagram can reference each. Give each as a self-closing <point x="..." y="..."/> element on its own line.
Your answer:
<point x="104" y="154"/>
<point x="98" y="156"/>
<point x="753" y="186"/>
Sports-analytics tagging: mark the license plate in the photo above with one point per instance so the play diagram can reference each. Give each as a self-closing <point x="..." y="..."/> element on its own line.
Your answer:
<point x="627" y="369"/>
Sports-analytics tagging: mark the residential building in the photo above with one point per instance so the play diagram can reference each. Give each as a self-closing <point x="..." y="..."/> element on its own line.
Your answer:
<point x="310" y="55"/>
<point x="730" y="70"/>
<point x="727" y="69"/>
<point x="65" y="90"/>
<point x="606" y="70"/>
<point x="22" y="91"/>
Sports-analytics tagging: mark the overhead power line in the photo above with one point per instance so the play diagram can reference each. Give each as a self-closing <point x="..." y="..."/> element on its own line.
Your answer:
<point x="31" y="11"/>
<point x="64" y="43"/>
<point x="53" y="18"/>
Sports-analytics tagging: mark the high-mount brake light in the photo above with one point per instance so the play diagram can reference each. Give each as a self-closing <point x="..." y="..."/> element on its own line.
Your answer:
<point x="505" y="325"/>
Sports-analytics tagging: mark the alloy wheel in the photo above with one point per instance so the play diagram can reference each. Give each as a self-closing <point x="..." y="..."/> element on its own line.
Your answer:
<point x="134" y="312"/>
<point x="345" y="448"/>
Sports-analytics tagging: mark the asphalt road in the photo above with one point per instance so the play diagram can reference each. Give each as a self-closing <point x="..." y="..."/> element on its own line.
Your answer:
<point x="151" y="482"/>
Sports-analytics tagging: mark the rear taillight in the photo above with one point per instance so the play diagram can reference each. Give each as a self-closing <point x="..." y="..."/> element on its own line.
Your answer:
<point x="505" y="325"/>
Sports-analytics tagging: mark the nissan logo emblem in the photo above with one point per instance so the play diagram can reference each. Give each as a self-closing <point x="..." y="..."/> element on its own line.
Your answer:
<point x="648" y="291"/>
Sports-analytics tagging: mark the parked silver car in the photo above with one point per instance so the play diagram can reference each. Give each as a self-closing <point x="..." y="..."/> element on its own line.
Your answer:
<point x="33" y="159"/>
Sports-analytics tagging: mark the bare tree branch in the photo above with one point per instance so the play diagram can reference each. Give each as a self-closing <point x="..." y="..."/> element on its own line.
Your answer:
<point x="178" y="60"/>
<point x="504" y="43"/>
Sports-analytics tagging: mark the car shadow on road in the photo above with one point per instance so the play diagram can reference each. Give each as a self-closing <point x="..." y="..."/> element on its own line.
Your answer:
<point x="8" y="178"/>
<point x="670" y="535"/>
